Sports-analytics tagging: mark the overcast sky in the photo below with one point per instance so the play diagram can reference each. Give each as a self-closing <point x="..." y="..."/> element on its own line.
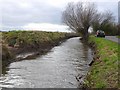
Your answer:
<point x="42" y="14"/>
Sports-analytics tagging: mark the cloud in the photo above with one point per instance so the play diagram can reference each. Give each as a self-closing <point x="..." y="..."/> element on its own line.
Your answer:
<point x="111" y="6"/>
<point x="0" y="26"/>
<point x="19" y="13"/>
<point x="46" y="27"/>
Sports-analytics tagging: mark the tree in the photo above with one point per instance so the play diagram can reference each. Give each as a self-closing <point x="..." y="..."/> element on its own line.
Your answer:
<point x="106" y="23"/>
<point x="79" y="17"/>
<point x="118" y="29"/>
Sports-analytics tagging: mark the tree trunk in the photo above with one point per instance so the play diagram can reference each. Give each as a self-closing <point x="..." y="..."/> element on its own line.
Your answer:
<point x="85" y="35"/>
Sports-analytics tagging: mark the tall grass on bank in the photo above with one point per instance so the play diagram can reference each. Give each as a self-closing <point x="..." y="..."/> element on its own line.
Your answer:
<point x="17" y="42"/>
<point x="104" y="71"/>
<point x="31" y="38"/>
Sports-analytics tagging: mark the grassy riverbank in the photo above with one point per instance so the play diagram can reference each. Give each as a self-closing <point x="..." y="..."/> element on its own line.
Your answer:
<point x="18" y="42"/>
<point x="104" y="70"/>
<point x="32" y="39"/>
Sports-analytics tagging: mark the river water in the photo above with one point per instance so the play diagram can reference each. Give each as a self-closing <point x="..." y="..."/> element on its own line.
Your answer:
<point x="59" y="68"/>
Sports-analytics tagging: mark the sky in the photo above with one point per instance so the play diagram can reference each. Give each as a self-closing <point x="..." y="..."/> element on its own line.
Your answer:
<point x="119" y="12"/>
<point x="42" y="14"/>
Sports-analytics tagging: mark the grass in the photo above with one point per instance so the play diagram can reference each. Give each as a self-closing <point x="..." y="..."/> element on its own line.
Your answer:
<point x="31" y="38"/>
<point x="118" y="36"/>
<point x="104" y="71"/>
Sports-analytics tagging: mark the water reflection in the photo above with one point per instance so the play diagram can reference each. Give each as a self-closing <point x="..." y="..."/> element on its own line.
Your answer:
<point x="60" y="68"/>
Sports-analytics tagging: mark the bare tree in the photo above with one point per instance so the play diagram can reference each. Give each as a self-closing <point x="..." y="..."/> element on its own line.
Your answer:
<point x="79" y="17"/>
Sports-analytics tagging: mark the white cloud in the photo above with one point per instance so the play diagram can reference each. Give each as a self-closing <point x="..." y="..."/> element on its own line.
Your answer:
<point x="0" y="26"/>
<point x="62" y="3"/>
<point x="46" y="27"/>
<point x="25" y="5"/>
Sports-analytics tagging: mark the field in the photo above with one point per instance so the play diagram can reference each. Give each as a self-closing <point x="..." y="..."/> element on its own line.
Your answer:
<point x="104" y="71"/>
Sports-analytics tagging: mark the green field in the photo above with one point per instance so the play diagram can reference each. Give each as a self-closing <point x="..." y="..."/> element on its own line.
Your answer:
<point x="104" y="71"/>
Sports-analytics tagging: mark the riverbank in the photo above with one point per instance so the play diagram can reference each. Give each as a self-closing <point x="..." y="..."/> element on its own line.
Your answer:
<point x="20" y="45"/>
<point x="104" y="70"/>
<point x="65" y="66"/>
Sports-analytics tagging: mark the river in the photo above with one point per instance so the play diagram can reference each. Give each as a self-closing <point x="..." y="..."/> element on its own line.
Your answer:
<point x="59" y="68"/>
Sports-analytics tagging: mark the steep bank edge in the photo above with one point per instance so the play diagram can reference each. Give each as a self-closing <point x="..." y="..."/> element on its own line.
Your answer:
<point x="104" y="70"/>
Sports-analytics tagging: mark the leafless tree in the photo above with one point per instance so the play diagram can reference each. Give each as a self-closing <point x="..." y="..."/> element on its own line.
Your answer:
<point x="80" y="16"/>
<point x="107" y="18"/>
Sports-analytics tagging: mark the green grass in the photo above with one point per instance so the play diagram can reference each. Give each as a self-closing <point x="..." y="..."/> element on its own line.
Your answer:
<point x="104" y="71"/>
<point x="118" y="36"/>
<point x="31" y="38"/>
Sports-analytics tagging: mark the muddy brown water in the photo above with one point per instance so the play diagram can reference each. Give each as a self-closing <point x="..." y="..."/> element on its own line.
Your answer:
<point x="59" y="68"/>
